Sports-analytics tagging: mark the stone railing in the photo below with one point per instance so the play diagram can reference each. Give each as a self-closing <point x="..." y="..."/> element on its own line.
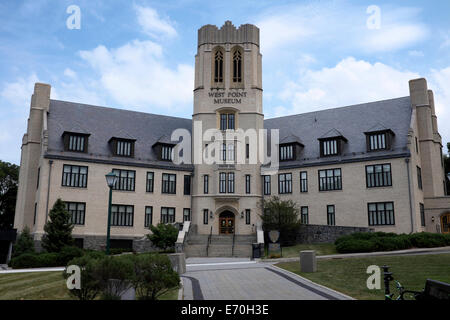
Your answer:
<point x="182" y="236"/>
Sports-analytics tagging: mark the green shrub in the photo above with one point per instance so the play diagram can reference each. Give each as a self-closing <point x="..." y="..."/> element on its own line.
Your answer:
<point x="163" y="235"/>
<point x="119" y="250"/>
<point x="115" y="275"/>
<point x="24" y="243"/>
<point x="26" y="260"/>
<point x="90" y="284"/>
<point x="354" y="246"/>
<point x="94" y="254"/>
<point x="68" y="253"/>
<point x="47" y="259"/>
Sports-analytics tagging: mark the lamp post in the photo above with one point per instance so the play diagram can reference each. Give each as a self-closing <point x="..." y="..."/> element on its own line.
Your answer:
<point x="111" y="180"/>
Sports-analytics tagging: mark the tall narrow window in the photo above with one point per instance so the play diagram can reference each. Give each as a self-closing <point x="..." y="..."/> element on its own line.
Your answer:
<point x="148" y="217"/>
<point x="150" y="181"/>
<point x="267" y="187"/>
<point x="231" y="182"/>
<point x="218" y="66"/>
<point x="186" y="214"/>
<point x="169" y="183"/>
<point x="187" y="185"/>
<point x="303" y="181"/>
<point x="205" y="216"/>
<point x="237" y="66"/>
<point x="422" y="214"/>
<point x="247" y="183"/>
<point x="227" y="121"/>
<point x="247" y="216"/>
<point x="205" y="184"/>
<point x="419" y="178"/>
<point x="304" y="215"/>
<point x="222" y="182"/>
<point x="331" y="215"/>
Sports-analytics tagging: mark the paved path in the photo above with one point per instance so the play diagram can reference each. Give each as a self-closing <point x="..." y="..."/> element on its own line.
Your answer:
<point x="243" y="279"/>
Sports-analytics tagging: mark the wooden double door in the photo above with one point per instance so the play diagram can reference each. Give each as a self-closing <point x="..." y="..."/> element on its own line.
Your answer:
<point x="445" y="223"/>
<point x="226" y="222"/>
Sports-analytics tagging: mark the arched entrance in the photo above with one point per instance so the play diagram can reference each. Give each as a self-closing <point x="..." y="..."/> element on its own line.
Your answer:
<point x="226" y="222"/>
<point x="445" y="222"/>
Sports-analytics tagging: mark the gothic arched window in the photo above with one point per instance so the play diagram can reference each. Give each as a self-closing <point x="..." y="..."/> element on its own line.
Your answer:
<point x="237" y="66"/>
<point x="218" y="66"/>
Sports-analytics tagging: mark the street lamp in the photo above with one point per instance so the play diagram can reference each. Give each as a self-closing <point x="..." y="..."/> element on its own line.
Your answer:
<point x="111" y="180"/>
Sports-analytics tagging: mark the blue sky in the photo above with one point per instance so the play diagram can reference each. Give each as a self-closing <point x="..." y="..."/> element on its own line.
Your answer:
<point x="139" y="55"/>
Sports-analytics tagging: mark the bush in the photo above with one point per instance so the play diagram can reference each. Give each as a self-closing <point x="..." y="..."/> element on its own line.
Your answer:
<point x="26" y="260"/>
<point x="115" y="275"/>
<point x="90" y="284"/>
<point x="119" y="250"/>
<point x="380" y="241"/>
<point x="24" y="243"/>
<point x="68" y="253"/>
<point x="163" y="235"/>
<point x="47" y="259"/>
<point x="154" y="275"/>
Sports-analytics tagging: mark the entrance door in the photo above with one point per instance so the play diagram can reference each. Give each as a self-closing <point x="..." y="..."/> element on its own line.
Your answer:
<point x="226" y="222"/>
<point x="445" y="223"/>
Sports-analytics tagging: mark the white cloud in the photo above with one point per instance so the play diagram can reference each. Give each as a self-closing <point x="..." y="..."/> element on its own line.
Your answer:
<point x="152" y="24"/>
<point x="351" y="81"/>
<point x="439" y="82"/>
<point x="416" y="53"/>
<point x="136" y="74"/>
<point x="18" y="93"/>
<point x="394" y="37"/>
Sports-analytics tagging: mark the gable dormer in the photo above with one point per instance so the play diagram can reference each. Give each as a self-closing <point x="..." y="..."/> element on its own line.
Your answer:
<point x="379" y="138"/>
<point x="290" y="148"/>
<point x="75" y="141"/>
<point x="164" y="148"/>
<point x="331" y="143"/>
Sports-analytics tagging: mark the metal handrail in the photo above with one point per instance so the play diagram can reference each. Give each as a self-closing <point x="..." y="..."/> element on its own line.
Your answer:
<point x="209" y="241"/>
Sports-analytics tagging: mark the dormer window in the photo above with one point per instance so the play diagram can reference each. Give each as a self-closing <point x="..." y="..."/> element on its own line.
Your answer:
<point x="166" y="152"/>
<point x="75" y="142"/>
<point x="122" y="147"/>
<point x="287" y="152"/>
<point x="379" y="138"/>
<point x="331" y="144"/>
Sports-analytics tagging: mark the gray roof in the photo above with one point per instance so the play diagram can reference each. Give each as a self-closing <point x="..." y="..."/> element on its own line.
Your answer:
<point x="350" y="122"/>
<point x="103" y="124"/>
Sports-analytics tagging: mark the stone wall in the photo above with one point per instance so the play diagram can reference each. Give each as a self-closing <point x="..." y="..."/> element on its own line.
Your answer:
<point x="325" y="234"/>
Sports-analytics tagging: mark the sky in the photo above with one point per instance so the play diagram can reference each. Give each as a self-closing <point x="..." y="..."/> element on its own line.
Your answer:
<point x="139" y="55"/>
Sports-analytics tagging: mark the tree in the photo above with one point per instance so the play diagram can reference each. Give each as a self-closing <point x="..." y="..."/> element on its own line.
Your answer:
<point x="447" y="167"/>
<point x="9" y="180"/>
<point x="58" y="230"/>
<point x="281" y="215"/>
<point x="163" y="236"/>
<point x="89" y="283"/>
<point x="24" y="243"/>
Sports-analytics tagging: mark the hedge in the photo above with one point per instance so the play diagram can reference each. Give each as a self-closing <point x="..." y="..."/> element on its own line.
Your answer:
<point x="46" y="259"/>
<point x="380" y="241"/>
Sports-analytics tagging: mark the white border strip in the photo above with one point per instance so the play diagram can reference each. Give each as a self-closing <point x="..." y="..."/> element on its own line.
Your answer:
<point x="32" y="270"/>
<point x="220" y="263"/>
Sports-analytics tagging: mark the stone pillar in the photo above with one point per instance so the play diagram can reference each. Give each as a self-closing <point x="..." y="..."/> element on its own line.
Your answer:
<point x="178" y="261"/>
<point x="308" y="261"/>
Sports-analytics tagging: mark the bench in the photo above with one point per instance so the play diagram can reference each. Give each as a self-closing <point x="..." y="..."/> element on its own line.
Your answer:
<point x="435" y="290"/>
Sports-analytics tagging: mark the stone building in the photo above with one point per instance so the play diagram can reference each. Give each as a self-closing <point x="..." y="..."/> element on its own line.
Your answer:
<point x="376" y="164"/>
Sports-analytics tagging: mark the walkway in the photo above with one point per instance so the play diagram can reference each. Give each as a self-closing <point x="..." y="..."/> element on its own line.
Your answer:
<point x="243" y="279"/>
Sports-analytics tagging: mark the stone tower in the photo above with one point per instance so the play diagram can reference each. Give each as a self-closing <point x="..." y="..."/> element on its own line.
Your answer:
<point x="227" y="99"/>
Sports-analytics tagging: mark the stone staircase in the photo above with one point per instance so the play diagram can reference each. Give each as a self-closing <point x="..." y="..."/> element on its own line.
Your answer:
<point x="220" y="246"/>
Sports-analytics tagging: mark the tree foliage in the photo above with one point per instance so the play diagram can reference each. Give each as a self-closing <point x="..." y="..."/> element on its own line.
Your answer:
<point x="281" y="215"/>
<point x="24" y="243"/>
<point x="58" y="230"/>
<point x="9" y="180"/>
<point x="163" y="235"/>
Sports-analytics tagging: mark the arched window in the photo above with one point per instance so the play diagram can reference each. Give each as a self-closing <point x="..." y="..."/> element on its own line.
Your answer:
<point x="237" y="66"/>
<point x="218" y="66"/>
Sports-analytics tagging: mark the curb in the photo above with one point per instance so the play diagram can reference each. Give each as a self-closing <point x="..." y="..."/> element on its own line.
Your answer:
<point x="314" y="283"/>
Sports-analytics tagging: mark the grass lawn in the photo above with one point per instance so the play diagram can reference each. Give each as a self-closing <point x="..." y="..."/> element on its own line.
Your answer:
<point x="44" y="286"/>
<point x="321" y="249"/>
<point x="349" y="275"/>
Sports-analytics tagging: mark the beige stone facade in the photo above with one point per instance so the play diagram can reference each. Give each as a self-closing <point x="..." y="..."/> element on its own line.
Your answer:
<point x="239" y="94"/>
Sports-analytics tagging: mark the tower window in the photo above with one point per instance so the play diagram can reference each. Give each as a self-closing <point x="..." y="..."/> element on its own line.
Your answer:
<point x="218" y="66"/>
<point x="237" y="66"/>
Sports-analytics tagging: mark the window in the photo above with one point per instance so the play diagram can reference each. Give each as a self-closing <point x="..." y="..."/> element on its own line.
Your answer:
<point x="419" y="178"/>
<point x="231" y="182"/>
<point x="187" y="185"/>
<point x="331" y="216"/>
<point x="150" y="181"/>
<point x="74" y="176"/>
<point x="205" y="184"/>
<point x="186" y="214"/>
<point x="75" y="142"/>
<point x="35" y="213"/>
<point x="417" y="146"/>
<point x="230" y="151"/>
<point x="148" y="217"/>
<point x="378" y="176"/>
<point x="237" y="66"/>
<point x="422" y="214"/>
<point x="303" y="181"/>
<point x="329" y="147"/>
<point x="166" y="152"/>
<point x="124" y="148"/>
<point x="77" y="212"/>
<point x="247" y="183"/>
<point x="247" y="216"/>
<point x="377" y="141"/>
<point x="218" y="66"/>
<point x="304" y="215"/>
<point x="205" y="216"/>
<point x="227" y="121"/>
<point x="381" y="214"/>
<point x="169" y="183"/>
<point x="167" y="215"/>
<point x="286" y="152"/>
<point x="39" y="173"/>
<point x="122" y="215"/>
<point x="284" y="183"/>
<point x="247" y="151"/>
<point x="330" y="179"/>
<point x="227" y="152"/>
<point x="267" y="187"/>
<point x="126" y="180"/>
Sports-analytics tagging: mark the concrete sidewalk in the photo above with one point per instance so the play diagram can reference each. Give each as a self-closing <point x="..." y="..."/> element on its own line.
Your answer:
<point x="420" y="251"/>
